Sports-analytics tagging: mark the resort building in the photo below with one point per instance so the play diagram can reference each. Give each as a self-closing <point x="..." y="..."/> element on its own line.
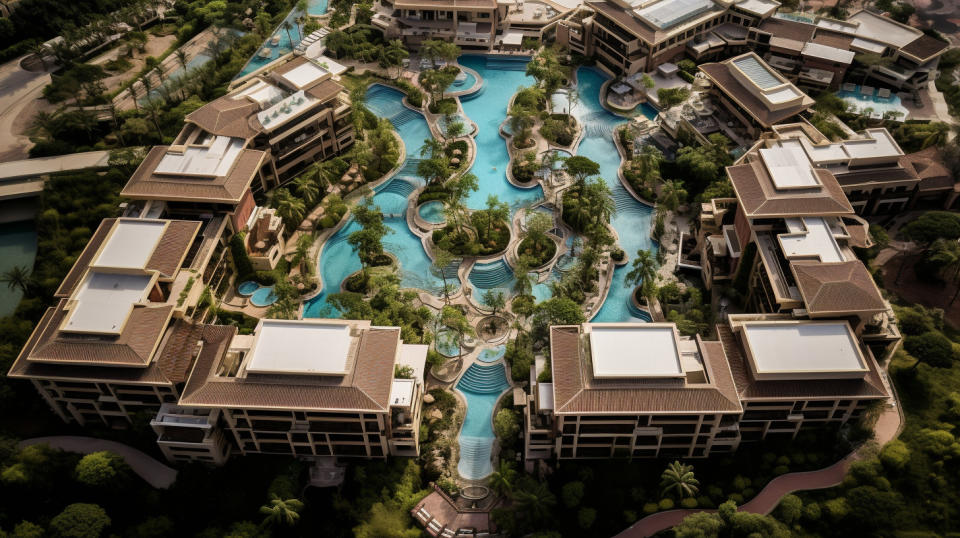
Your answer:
<point x="637" y="36"/>
<point x="753" y="93"/>
<point x="791" y="231"/>
<point x="310" y="388"/>
<point x="632" y="390"/>
<point x="114" y="345"/>
<point x="471" y="24"/>
<point x="252" y="139"/>
<point x="793" y="374"/>
<point x="640" y="390"/>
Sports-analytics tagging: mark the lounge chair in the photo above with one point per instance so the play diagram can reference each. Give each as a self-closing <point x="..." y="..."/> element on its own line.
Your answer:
<point x="423" y="515"/>
<point x="448" y="533"/>
<point x="434" y="528"/>
<point x="884" y="93"/>
<point x="849" y="87"/>
<point x="867" y="91"/>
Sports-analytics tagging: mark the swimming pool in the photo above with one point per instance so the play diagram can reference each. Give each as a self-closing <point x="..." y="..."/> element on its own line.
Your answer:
<point x="464" y="84"/>
<point x="481" y="387"/>
<point x="287" y="40"/>
<point x="492" y="354"/>
<point x="446" y="343"/>
<point x="263" y="296"/>
<point x="247" y="288"/>
<point x="432" y="212"/>
<point x="878" y="105"/>
<point x="632" y="219"/>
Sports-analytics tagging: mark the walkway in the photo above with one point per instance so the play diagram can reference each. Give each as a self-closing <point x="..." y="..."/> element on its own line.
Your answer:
<point x="23" y="178"/>
<point x="886" y="429"/>
<point x="152" y="471"/>
<point x="439" y="514"/>
<point x="20" y="99"/>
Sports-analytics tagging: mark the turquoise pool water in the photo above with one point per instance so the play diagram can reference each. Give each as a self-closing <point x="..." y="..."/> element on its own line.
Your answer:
<point x="446" y="343"/>
<point x="492" y="354"/>
<point x="338" y="260"/>
<point x="264" y="296"/>
<point x="481" y="386"/>
<point x="488" y="109"/>
<point x="18" y="248"/>
<point x="432" y="212"/>
<point x="284" y="46"/>
<point x="632" y="219"/>
<point x="247" y="288"/>
<point x="464" y="84"/>
<point x="880" y="105"/>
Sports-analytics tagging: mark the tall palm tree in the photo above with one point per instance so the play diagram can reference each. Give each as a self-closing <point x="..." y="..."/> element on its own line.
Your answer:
<point x="395" y="53"/>
<point x="301" y="255"/>
<point x="291" y="210"/>
<point x="602" y="203"/>
<point x="536" y="501"/>
<point x="281" y="512"/>
<point x="182" y="58"/>
<point x="644" y="271"/>
<point x="286" y="27"/>
<point x="18" y="278"/>
<point x="441" y="259"/>
<point x="502" y="480"/>
<point x="306" y="189"/>
<point x="154" y="108"/>
<point x="678" y="479"/>
<point x="45" y="122"/>
<point x="672" y="194"/>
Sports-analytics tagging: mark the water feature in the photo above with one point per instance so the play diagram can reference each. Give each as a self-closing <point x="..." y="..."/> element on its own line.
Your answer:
<point x="447" y="343"/>
<point x="432" y="212"/>
<point x="338" y="260"/>
<point x="492" y="354"/>
<point x="879" y="105"/>
<point x="247" y="288"/>
<point x="502" y="77"/>
<point x="264" y="296"/>
<point x="481" y="386"/>
<point x="632" y="219"/>
<point x="286" y="41"/>
<point x="18" y="248"/>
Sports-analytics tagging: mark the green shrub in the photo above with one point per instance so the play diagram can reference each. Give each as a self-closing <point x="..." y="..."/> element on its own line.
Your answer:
<point x="650" y="508"/>
<point x="240" y="258"/>
<point x="736" y="497"/>
<point x="704" y="502"/>
<point x="665" y="504"/>
<point x="811" y="512"/>
<point x="689" y="503"/>
<point x="326" y="222"/>
<point x="780" y="469"/>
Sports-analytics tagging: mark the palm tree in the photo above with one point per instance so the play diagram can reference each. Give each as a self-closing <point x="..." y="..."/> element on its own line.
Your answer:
<point x="281" y="512"/>
<point x="182" y="58"/>
<point x="287" y="26"/>
<point x="154" y="108"/>
<point x="290" y="209"/>
<point x="395" y="53"/>
<point x="441" y="259"/>
<point x="17" y="278"/>
<point x="678" y="478"/>
<point x="537" y="501"/>
<point x="672" y="194"/>
<point x="45" y="122"/>
<point x="502" y="480"/>
<point x="644" y="271"/>
<point x="601" y="201"/>
<point x="301" y="256"/>
<point x="306" y="188"/>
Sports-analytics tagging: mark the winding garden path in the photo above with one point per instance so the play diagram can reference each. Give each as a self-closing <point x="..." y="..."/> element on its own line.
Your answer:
<point x="886" y="429"/>
<point x="152" y="471"/>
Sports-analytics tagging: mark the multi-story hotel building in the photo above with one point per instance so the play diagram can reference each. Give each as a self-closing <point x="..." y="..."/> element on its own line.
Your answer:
<point x="471" y="24"/>
<point x="639" y="390"/>
<point x="754" y="93"/>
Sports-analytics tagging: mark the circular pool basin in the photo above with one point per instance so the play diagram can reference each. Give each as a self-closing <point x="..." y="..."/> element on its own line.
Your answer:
<point x="432" y="212"/>
<point x="247" y="288"/>
<point x="446" y="343"/>
<point x="492" y="354"/>
<point x="264" y="296"/>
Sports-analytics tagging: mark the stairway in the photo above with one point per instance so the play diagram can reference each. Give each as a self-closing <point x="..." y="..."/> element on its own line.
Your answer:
<point x="491" y="275"/>
<point x="483" y="379"/>
<point x="507" y="63"/>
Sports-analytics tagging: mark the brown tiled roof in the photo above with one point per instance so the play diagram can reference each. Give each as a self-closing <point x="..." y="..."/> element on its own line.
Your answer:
<point x="179" y="349"/>
<point x="226" y="116"/>
<point x="859" y="231"/>
<point x="366" y="388"/>
<point x="759" y="198"/>
<point x="166" y="258"/>
<point x="324" y="91"/>
<point x="145" y="184"/>
<point x="832" y="39"/>
<point x="871" y="386"/>
<point x="928" y="165"/>
<point x="720" y="74"/>
<point x="837" y="288"/>
<point x="877" y="175"/>
<point x="786" y="29"/>
<point x="73" y="278"/>
<point x="925" y="47"/>
<point x="576" y="391"/>
<point x="133" y="347"/>
<point x="173" y="247"/>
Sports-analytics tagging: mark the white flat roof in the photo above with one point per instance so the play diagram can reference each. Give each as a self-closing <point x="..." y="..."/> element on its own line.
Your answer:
<point x="634" y="350"/>
<point x="545" y="396"/>
<point x="789" y="167"/>
<point x="810" y="237"/>
<point x="512" y="37"/>
<point x="300" y="347"/>
<point x="669" y="13"/>
<point x="304" y="74"/>
<point x="879" y="28"/>
<point x="286" y="109"/>
<point x="131" y="244"/>
<point x="401" y="392"/>
<point x="758" y="7"/>
<point x="782" y="95"/>
<point x="215" y="160"/>
<point x="879" y="144"/>
<point x="103" y="302"/>
<point x="867" y="45"/>
<point x="824" y="154"/>
<point x="263" y="93"/>
<point x="825" y="52"/>
<point x="331" y="65"/>
<point x="414" y="356"/>
<point x="803" y="350"/>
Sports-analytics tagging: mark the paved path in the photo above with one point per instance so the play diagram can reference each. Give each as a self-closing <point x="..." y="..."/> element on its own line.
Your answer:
<point x="20" y="91"/>
<point x="154" y="472"/>
<point x="886" y="429"/>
